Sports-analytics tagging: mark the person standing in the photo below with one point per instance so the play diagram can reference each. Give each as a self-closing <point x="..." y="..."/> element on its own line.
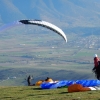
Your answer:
<point x="96" y="61"/>
<point x="29" y="80"/>
<point x="96" y="65"/>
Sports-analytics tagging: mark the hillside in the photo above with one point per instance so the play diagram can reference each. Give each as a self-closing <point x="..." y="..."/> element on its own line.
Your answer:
<point x="68" y="13"/>
<point x="32" y="50"/>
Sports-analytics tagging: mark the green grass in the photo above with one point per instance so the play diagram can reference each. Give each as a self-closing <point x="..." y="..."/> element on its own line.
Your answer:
<point x="36" y="93"/>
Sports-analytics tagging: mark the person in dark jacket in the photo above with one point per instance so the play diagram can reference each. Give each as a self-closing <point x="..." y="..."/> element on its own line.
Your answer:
<point x="96" y="68"/>
<point x="29" y="80"/>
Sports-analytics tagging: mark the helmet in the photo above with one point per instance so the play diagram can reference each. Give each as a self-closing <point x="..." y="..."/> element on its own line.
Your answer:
<point x="95" y="55"/>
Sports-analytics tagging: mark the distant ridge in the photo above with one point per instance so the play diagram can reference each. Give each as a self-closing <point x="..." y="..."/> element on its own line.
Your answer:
<point x="68" y="13"/>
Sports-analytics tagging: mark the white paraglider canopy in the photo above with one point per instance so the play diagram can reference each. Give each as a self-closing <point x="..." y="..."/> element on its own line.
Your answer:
<point x="45" y="24"/>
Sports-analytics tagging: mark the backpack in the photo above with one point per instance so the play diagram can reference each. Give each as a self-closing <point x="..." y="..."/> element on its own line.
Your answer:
<point x="98" y="63"/>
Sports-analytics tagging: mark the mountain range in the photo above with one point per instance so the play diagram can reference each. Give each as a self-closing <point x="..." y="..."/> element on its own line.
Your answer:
<point x="64" y="13"/>
<point x="33" y="50"/>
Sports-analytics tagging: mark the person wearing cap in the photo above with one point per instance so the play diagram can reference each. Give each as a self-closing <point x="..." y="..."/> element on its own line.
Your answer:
<point x="96" y="64"/>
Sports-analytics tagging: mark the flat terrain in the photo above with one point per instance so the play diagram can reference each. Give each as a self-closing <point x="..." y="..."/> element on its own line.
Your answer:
<point x="36" y="93"/>
<point x="42" y="53"/>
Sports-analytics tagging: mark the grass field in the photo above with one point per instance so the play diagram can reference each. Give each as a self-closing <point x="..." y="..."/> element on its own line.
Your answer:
<point x="36" y="93"/>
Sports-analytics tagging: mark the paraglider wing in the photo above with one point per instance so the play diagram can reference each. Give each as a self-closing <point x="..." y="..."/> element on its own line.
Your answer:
<point x="47" y="25"/>
<point x="84" y="83"/>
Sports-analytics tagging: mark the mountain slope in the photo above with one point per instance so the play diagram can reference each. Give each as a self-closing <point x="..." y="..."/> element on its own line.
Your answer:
<point x="68" y="13"/>
<point x="9" y="12"/>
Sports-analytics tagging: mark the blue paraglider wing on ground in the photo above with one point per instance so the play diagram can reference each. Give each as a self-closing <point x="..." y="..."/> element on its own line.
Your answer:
<point x="84" y="83"/>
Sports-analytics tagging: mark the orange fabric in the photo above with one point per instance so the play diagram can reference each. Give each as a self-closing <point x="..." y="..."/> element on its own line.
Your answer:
<point x="38" y="83"/>
<point x="49" y="80"/>
<point x="41" y="81"/>
<point x="77" y="88"/>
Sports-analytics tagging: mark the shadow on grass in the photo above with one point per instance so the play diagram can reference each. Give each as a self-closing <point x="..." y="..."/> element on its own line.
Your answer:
<point x="63" y="92"/>
<point x="6" y="97"/>
<point x="37" y="89"/>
